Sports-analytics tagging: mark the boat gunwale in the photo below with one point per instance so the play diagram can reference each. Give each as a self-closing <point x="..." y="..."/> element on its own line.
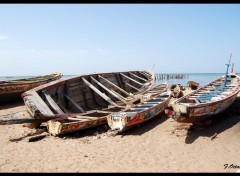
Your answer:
<point x="29" y="81"/>
<point x="64" y="80"/>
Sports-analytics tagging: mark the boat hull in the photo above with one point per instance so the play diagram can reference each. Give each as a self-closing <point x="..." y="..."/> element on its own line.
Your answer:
<point x="186" y="110"/>
<point x="201" y="113"/>
<point x="58" y="127"/>
<point x="84" y="101"/>
<point x="123" y="121"/>
<point x="12" y="90"/>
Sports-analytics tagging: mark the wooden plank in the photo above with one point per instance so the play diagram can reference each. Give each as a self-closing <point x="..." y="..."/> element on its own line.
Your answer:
<point x="115" y="86"/>
<point x="131" y="79"/>
<point x="94" y="104"/>
<point x="85" y="96"/>
<point x="37" y="137"/>
<point x="111" y="92"/>
<point x="148" y="73"/>
<point x="87" y="117"/>
<point x="132" y="87"/>
<point x="64" y="109"/>
<point x="104" y="96"/>
<point x="119" y="94"/>
<point x="119" y="82"/>
<point x="145" y="74"/>
<point x="74" y="83"/>
<point x="107" y="112"/>
<point x="75" y="104"/>
<point x="138" y="77"/>
<point x="39" y="103"/>
<point x="52" y="103"/>
<point x="77" y="119"/>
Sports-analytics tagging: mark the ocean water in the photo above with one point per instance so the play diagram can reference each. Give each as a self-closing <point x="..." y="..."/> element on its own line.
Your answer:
<point x="201" y="78"/>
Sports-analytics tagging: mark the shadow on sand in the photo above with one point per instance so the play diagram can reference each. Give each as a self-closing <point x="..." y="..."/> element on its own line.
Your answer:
<point x="13" y="104"/>
<point x="219" y="124"/>
<point x="145" y="126"/>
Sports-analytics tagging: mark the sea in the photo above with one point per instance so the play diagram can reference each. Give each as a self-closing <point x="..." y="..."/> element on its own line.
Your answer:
<point x="173" y="78"/>
<point x="201" y="78"/>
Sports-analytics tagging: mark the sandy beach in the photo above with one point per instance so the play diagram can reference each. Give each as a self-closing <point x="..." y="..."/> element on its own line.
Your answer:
<point x="159" y="145"/>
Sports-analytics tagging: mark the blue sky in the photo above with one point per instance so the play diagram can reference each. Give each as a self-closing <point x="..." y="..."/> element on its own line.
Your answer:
<point x="38" y="39"/>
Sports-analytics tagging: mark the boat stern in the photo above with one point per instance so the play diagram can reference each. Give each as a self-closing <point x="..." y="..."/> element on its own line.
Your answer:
<point x="119" y="121"/>
<point x="116" y="121"/>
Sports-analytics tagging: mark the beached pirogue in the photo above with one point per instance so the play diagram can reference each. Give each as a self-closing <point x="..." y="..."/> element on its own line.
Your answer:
<point x="12" y="90"/>
<point x="84" y="101"/>
<point x="206" y="101"/>
<point x="151" y="106"/>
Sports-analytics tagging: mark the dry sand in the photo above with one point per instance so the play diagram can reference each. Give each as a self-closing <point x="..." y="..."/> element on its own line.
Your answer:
<point x="159" y="145"/>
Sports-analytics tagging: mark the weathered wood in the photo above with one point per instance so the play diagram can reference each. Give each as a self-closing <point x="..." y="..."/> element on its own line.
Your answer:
<point x="37" y="101"/>
<point x="83" y="93"/>
<point x="131" y="79"/>
<point x="77" y="119"/>
<point x="214" y="136"/>
<point x="16" y="115"/>
<point x="65" y="92"/>
<point x="137" y="76"/>
<point x="75" y="104"/>
<point x="64" y="109"/>
<point x="87" y="117"/>
<point x="104" y="96"/>
<point x="111" y="92"/>
<point x="132" y="87"/>
<point x="78" y="98"/>
<point x="119" y="95"/>
<point x="17" y="121"/>
<point x="121" y="83"/>
<point x="74" y="83"/>
<point x="36" y="137"/>
<point x="107" y="112"/>
<point x="94" y="104"/>
<point x="115" y="86"/>
<point x="52" y="103"/>
<point x="89" y="94"/>
<point x="145" y="74"/>
<point x="28" y="135"/>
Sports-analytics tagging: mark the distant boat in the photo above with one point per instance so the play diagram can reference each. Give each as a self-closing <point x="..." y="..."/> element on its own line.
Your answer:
<point x="150" y="107"/>
<point x="12" y="90"/>
<point x="206" y="101"/>
<point x="84" y="101"/>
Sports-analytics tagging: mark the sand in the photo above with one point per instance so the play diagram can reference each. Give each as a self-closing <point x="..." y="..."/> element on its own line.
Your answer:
<point x="159" y="145"/>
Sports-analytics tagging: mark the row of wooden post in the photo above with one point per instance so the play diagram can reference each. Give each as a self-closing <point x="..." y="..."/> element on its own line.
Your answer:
<point x="159" y="77"/>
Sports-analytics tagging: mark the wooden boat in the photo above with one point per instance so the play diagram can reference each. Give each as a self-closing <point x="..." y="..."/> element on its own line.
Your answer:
<point x="158" y="89"/>
<point x="142" y="112"/>
<point x="84" y="101"/>
<point x="206" y="101"/>
<point x="12" y="90"/>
